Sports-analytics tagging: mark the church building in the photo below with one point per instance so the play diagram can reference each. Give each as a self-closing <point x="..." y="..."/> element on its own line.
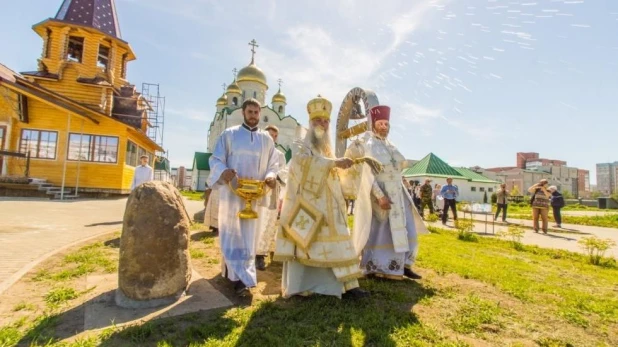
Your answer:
<point x="249" y="82"/>
<point x="76" y="121"/>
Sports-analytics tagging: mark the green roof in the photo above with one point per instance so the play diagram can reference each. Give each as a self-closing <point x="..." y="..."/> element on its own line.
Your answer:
<point x="474" y="176"/>
<point x="286" y="152"/>
<point x="431" y="165"/>
<point x="200" y="161"/>
<point x="162" y="164"/>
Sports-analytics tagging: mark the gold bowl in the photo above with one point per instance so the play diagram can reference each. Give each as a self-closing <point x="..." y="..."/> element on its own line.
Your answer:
<point x="248" y="189"/>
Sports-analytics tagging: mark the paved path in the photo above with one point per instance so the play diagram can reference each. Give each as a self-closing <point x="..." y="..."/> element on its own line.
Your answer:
<point x="32" y="229"/>
<point x="565" y="238"/>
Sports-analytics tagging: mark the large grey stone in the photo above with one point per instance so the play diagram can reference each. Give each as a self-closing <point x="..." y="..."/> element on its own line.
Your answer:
<point x="199" y="216"/>
<point x="154" y="267"/>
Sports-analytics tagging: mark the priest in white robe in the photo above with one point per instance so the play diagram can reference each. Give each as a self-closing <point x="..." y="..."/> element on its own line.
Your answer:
<point x="314" y="241"/>
<point x="269" y="224"/>
<point x="386" y="223"/>
<point x="241" y="151"/>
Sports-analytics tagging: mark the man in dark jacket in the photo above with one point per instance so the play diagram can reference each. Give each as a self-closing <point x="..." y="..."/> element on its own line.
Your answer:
<point x="426" y="194"/>
<point x="557" y="203"/>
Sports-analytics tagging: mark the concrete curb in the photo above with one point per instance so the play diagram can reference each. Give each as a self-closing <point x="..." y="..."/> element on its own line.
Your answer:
<point x="6" y="284"/>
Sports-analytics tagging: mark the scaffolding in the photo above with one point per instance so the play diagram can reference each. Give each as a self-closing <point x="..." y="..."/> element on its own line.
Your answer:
<point x="155" y="113"/>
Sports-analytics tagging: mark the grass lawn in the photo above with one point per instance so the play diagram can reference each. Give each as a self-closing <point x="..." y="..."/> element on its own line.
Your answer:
<point x="484" y="293"/>
<point x="608" y="220"/>
<point x="605" y="221"/>
<point x="198" y="196"/>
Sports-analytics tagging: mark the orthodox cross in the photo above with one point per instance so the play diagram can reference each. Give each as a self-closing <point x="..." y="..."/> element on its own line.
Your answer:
<point x="395" y="213"/>
<point x="312" y="182"/>
<point x="223" y="85"/>
<point x="253" y="44"/>
<point x="234" y="70"/>
<point x="302" y="222"/>
<point x="280" y="81"/>
<point x="324" y="252"/>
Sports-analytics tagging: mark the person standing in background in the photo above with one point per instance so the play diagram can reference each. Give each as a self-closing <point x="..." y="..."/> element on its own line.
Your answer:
<point x="143" y="173"/>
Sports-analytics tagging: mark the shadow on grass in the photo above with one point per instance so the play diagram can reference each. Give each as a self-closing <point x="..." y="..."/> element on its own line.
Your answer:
<point x="104" y="223"/>
<point x="203" y="235"/>
<point x="113" y="243"/>
<point x="384" y="319"/>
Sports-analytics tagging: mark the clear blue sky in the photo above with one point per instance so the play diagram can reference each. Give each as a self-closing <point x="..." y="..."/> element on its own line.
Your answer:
<point x="472" y="81"/>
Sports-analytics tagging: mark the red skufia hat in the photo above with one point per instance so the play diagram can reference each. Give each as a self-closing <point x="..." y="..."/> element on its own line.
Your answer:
<point x="380" y="112"/>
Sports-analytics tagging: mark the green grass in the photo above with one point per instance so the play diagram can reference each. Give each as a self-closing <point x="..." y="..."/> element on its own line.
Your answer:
<point x="481" y="293"/>
<point x="604" y="221"/>
<point x="561" y="280"/>
<point x="198" y="196"/>
<point x="86" y="260"/>
<point x="197" y="253"/>
<point x="59" y="296"/>
<point x="476" y="315"/>
<point x="24" y="306"/>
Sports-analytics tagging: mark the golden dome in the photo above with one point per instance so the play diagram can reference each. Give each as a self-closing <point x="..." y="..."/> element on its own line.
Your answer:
<point x="252" y="73"/>
<point x="222" y="101"/>
<point x="234" y="88"/>
<point x="279" y="97"/>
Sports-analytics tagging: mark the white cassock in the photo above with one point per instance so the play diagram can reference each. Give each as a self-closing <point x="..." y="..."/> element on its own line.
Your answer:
<point x="268" y="226"/>
<point x="252" y="154"/>
<point x="211" y="213"/>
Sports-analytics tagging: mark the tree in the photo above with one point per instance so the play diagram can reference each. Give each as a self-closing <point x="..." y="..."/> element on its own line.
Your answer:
<point x="485" y="197"/>
<point x="596" y="194"/>
<point x="515" y="191"/>
<point x="494" y="198"/>
<point x="567" y="194"/>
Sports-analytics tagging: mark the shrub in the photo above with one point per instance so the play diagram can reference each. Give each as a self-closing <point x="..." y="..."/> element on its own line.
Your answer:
<point x="596" y="248"/>
<point x="494" y="198"/>
<point x="514" y="234"/>
<point x="485" y="197"/>
<point x="432" y="217"/>
<point x="465" y="227"/>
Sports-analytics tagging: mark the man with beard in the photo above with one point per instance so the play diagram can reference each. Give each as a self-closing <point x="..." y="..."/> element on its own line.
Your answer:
<point x="268" y="226"/>
<point x="314" y="241"/>
<point x="386" y="224"/>
<point x="241" y="151"/>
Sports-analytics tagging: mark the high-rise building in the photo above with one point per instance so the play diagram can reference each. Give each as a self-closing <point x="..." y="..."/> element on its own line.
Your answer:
<point x="607" y="174"/>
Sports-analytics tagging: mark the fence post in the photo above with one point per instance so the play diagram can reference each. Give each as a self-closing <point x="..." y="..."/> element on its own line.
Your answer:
<point x="27" y="173"/>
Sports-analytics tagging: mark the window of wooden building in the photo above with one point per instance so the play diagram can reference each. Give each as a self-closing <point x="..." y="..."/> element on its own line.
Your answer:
<point x="41" y="144"/>
<point x="75" y="50"/>
<point x="103" y="58"/>
<point x="131" y="155"/>
<point x="95" y="148"/>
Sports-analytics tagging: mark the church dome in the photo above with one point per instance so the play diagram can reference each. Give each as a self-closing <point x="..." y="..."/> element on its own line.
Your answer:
<point x="234" y="88"/>
<point x="252" y="73"/>
<point x="279" y="97"/>
<point x="222" y="101"/>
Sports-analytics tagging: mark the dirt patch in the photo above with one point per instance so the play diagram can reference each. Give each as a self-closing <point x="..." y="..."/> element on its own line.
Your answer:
<point x="516" y="322"/>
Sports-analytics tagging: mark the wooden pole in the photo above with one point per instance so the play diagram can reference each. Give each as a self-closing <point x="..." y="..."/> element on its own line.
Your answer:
<point x="79" y="157"/>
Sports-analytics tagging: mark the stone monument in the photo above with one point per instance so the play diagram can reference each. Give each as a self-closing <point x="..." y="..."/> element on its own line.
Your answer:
<point x="154" y="267"/>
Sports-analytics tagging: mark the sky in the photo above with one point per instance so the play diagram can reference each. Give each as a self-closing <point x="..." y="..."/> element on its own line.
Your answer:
<point x="472" y="81"/>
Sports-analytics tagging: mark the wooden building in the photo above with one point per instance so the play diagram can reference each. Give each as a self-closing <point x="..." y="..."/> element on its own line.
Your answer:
<point x="79" y="119"/>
